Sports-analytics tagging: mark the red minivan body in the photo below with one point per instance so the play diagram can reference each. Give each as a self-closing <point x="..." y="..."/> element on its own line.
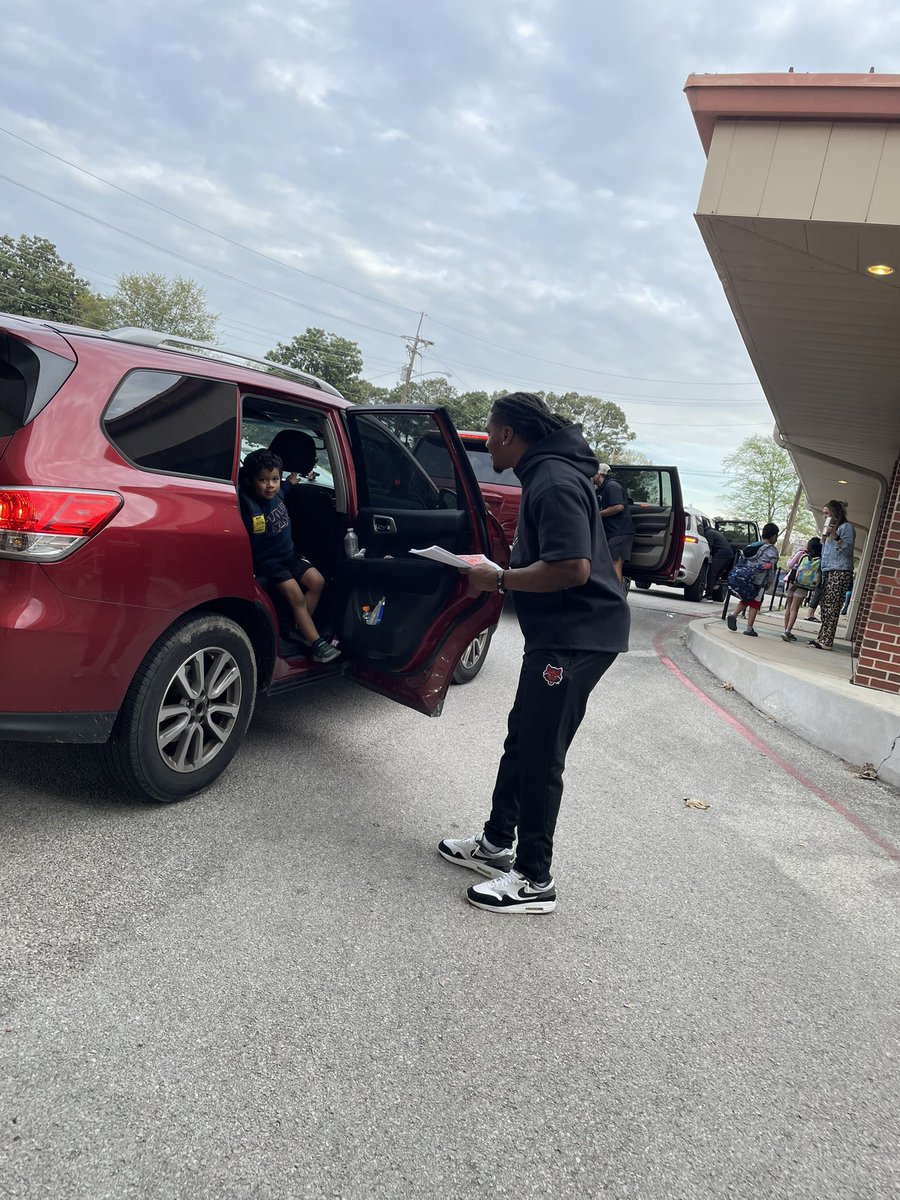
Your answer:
<point x="129" y="612"/>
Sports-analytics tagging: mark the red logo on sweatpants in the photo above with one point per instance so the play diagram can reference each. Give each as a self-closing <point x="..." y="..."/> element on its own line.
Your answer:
<point x="552" y="674"/>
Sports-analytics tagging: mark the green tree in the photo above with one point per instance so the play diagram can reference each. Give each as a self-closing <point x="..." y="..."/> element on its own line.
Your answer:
<point x="763" y="484"/>
<point x="35" y="281"/>
<point x="154" y="301"/>
<point x="95" y="311"/>
<point x="636" y="458"/>
<point x="602" y="422"/>
<point x="335" y="359"/>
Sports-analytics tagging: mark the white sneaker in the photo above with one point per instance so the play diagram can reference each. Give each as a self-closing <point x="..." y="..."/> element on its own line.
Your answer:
<point x="512" y="893"/>
<point x="470" y="852"/>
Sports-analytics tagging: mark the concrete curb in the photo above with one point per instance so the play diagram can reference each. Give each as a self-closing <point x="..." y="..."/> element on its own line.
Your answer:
<point x="853" y="727"/>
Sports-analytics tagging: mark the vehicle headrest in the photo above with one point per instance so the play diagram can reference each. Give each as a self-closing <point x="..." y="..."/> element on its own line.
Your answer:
<point x="297" y="450"/>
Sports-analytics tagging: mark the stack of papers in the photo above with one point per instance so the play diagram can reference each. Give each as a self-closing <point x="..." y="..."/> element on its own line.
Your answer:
<point x="462" y="562"/>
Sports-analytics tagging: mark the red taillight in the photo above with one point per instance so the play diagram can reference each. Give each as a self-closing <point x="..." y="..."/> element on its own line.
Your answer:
<point x="47" y="524"/>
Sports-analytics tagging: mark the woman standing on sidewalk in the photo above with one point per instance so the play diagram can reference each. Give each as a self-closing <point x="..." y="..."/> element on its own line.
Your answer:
<point x="837" y="570"/>
<point x="796" y="595"/>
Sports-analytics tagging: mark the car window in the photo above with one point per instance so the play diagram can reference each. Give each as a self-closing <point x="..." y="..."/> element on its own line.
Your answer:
<point x="261" y="424"/>
<point x="484" y="472"/>
<point x="405" y="463"/>
<point x="179" y="424"/>
<point x="736" y="531"/>
<point x="649" y="487"/>
<point x="29" y="378"/>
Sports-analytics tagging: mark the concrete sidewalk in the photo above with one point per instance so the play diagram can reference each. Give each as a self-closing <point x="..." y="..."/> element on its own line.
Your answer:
<point x="806" y="690"/>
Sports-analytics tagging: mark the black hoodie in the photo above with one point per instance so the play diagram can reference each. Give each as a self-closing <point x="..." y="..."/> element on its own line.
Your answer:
<point x="559" y="519"/>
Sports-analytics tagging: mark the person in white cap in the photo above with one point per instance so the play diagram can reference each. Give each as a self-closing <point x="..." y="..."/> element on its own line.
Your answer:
<point x="617" y="523"/>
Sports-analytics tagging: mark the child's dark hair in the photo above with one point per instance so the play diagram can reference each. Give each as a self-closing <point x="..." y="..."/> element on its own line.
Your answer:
<point x="770" y="530"/>
<point x="256" y="461"/>
<point x="814" y="547"/>
<point x="528" y="416"/>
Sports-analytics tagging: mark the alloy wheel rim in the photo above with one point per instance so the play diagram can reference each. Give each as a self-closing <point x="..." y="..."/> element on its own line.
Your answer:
<point x="474" y="650"/>
<point x="199" y="710"/>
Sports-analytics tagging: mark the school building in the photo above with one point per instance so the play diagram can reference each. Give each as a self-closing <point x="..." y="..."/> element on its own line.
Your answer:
<point x="800" y="212"/>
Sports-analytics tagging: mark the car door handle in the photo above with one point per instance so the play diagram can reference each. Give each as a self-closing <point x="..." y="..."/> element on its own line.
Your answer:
<point x="384" y="524"/>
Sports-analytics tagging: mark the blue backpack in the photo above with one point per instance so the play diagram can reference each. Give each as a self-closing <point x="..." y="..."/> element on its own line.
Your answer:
<point x="741" y="579"/>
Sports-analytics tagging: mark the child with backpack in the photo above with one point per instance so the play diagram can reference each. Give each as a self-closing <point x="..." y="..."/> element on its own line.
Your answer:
<point x="804" y="576"/>
<point x="749" y="579"/>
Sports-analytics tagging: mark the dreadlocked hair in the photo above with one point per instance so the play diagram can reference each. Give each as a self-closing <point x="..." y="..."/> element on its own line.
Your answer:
<point x="528" y="416"/>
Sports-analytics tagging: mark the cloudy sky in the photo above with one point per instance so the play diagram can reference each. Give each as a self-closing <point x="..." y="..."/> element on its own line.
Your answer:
<point x="523" y="171"/>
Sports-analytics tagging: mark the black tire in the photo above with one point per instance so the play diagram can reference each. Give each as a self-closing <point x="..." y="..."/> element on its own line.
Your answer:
<point x="142" y="754"/>
<point x="695" y="590"/>
<point x="473" y="658"/>
<point x="645" y="587"/>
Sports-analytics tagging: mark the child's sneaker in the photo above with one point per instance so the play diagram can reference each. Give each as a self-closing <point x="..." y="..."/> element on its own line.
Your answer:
<point x="324" y="652"/>
<point x="471" y="852"/>
<point x="512" y="893"/>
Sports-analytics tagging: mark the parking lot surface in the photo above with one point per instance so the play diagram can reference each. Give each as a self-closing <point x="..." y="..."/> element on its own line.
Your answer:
<point x="278" y="990"/>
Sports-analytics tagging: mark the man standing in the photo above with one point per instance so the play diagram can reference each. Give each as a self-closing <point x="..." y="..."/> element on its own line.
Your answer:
<point x="617" y="523"/>
<point x="575" y="620"/>
<point x="721" y="557"/>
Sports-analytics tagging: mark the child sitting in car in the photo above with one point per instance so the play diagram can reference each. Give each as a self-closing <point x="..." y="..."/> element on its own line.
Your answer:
<point x="276" y="563"/>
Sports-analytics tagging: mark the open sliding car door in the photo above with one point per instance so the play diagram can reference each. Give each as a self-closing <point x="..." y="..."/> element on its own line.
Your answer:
<point x="406" y="620"/>
<point x="657" y="510"/>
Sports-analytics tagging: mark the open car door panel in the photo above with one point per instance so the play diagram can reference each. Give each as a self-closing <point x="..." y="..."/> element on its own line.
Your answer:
<point x="657" y="510"/>
<point x="407" y="620"/>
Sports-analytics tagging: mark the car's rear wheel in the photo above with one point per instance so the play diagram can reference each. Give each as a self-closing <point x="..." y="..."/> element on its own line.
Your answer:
<point x="695" y="590"/>
<point x="186" y="712"/>
<point x="473" y="657"/>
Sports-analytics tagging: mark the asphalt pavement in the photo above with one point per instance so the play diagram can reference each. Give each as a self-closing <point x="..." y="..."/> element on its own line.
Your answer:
<point x="278" y="990"/>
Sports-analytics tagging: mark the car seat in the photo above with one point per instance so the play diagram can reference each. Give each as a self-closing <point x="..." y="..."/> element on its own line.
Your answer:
<point x="317" y="528"/>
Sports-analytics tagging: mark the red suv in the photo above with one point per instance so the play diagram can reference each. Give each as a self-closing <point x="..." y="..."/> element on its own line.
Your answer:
<point x="502" y="490"/>
<point x="129" y="613"/>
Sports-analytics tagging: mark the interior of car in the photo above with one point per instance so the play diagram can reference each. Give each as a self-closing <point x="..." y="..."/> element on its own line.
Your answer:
<point x="382" y="602"/>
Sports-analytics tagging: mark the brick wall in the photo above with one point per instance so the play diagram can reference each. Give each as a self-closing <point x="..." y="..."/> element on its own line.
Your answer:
<point x="877" y="640"/>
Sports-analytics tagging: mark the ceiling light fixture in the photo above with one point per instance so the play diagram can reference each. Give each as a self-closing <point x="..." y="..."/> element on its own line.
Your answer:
<point x="880" y="269"/>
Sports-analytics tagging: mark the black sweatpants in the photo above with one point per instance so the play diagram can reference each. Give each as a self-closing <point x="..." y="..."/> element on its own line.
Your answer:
<point x="719" y="565"/>
<point x="549" y="706"/>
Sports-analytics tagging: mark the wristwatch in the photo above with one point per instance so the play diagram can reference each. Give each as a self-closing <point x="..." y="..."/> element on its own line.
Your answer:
<point x="500" y="588"/>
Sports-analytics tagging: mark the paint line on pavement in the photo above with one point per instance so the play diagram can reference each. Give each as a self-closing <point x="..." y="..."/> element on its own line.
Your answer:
<point x="758" y="744"/>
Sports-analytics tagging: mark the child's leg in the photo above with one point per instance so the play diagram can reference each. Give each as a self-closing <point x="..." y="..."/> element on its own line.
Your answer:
<point x="313" y="585"/>
<point x="752" y="610"/>
<point x="791" y="613"/>
<point x="293" y="593"/>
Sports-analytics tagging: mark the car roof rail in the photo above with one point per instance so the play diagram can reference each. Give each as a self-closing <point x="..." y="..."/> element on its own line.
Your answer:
<point x="182" y="345"/>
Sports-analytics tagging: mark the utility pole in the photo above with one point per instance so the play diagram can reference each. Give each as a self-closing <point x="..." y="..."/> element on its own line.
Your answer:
<point x="413" y="344"/>
<point x="790" y="521"/>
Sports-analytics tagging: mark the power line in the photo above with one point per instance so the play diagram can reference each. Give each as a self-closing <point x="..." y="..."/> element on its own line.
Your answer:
<point x="322" y="279"/>
<point x="203" y="228"/>
<point x="192" y="261"/>
<point x="632" y="396"/>
<point x="592" y="370"/>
